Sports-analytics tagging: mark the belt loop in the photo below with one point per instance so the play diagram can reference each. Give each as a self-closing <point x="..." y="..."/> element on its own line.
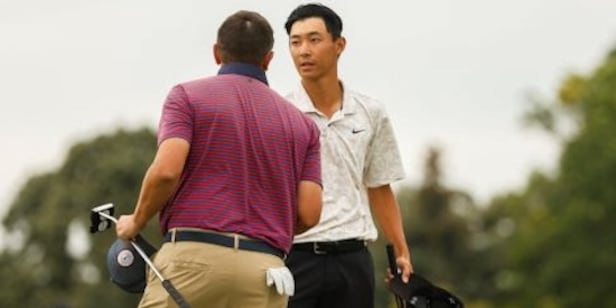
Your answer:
<point x="236" y="241"/>
<point x="173" y="235"/>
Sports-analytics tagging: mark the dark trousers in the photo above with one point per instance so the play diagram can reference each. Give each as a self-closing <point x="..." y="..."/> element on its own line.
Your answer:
<point x="332" y="280"/>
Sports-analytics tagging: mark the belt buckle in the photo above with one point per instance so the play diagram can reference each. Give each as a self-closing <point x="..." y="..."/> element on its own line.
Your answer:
<point x="316" y="250"/>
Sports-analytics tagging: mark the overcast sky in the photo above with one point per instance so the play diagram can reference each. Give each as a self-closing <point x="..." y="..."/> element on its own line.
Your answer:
<point x="451" y="73"/>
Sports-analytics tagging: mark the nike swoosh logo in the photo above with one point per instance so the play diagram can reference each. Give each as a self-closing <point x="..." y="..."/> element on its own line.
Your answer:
<point x="355" y="131"/>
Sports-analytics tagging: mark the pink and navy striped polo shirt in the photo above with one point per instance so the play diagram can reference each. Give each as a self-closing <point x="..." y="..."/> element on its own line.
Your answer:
<point x="249" y="149"/>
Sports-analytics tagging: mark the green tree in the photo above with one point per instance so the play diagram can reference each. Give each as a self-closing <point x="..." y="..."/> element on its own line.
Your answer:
<point x="508" y="229"/>
<point x="561" y="254"/>
<point x="53" y="207"/>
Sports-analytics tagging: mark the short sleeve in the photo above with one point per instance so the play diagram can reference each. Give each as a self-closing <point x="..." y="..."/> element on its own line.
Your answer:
<point x="311" y="170"/>
<point x="177" y="117"/>
<point x="383" y="161"/>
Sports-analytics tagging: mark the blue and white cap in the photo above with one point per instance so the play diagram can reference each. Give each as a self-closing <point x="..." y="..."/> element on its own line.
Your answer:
<point x="126" y="267"/>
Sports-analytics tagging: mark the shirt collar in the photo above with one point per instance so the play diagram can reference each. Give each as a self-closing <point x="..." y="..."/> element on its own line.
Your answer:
<point x="305" y="104"/>
<point x="245" y="69"/>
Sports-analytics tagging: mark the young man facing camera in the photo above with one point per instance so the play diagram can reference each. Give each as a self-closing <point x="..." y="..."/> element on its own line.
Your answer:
<point x="360" y="158"/>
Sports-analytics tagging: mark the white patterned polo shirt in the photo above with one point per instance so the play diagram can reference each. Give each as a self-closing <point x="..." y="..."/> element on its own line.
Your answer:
<point x="358" y="150"/>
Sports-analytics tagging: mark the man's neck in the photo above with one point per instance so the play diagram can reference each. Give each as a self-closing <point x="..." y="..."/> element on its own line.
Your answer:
<point x="325" y="94"/>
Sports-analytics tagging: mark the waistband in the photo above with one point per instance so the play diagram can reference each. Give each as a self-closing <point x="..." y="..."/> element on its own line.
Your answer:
<point x="333" y="247"/>
<point x="231" y="241"/>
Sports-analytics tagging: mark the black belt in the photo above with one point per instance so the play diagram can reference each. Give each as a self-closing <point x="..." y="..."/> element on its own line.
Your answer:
<point x="322" y="248"/>
<point x="222" y="240"/>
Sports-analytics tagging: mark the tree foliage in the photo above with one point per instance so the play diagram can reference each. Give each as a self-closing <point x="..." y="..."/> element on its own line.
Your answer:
<point x="108" y="168"/>
<point x="550" y="244"/>
<point x="561" y="254"/>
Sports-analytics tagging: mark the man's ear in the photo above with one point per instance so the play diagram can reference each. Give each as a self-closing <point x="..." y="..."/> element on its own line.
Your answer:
<point x="216" y="52"/>
<point x="340" y="45"/>
<point x="267" y="59"/>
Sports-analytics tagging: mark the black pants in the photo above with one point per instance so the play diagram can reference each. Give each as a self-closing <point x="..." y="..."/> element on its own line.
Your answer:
<point x="344" y="280"/>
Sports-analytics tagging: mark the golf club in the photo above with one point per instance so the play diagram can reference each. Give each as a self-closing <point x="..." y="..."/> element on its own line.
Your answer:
<point x="100" y="218"/>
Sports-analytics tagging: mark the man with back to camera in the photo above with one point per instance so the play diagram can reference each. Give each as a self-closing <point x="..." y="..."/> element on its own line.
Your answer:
<point x="330" y="262"/>
<point x="236" y="163"/>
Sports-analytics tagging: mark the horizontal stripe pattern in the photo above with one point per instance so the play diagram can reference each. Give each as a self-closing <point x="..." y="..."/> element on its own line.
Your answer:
<point x="249" y="150"/>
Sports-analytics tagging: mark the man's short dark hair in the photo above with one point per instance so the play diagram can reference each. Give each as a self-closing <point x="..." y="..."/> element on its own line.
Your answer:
<point x="332" y="21"/>
<point x="245" y="36"/>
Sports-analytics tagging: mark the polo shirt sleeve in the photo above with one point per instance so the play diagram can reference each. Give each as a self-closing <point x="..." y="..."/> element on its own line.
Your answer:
<point x="176" y="120"/>
<point x="312" y="164"/>
<point x="383" y="162"/>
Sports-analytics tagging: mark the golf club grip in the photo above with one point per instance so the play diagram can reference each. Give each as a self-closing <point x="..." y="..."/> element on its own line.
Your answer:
<point x="177" y="297"/>
<point x="393" y="267"/>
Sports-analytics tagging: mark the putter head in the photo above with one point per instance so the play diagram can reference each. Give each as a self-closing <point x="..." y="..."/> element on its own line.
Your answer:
<point x="99" y="223"/>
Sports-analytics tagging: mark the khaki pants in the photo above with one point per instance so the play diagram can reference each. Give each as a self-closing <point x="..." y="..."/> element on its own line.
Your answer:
<point x="209" y="275"/>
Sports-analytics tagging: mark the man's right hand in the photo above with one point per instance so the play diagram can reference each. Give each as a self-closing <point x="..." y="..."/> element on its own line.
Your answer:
<point x="405" y="266"/>
<point x="127" y="228"/>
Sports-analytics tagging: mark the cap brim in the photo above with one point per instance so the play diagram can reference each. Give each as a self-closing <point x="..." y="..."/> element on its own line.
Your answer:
<point x="420" y="287"/>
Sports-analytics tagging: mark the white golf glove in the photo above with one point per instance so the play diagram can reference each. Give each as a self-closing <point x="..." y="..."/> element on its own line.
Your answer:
<point x="282" y="278"/>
